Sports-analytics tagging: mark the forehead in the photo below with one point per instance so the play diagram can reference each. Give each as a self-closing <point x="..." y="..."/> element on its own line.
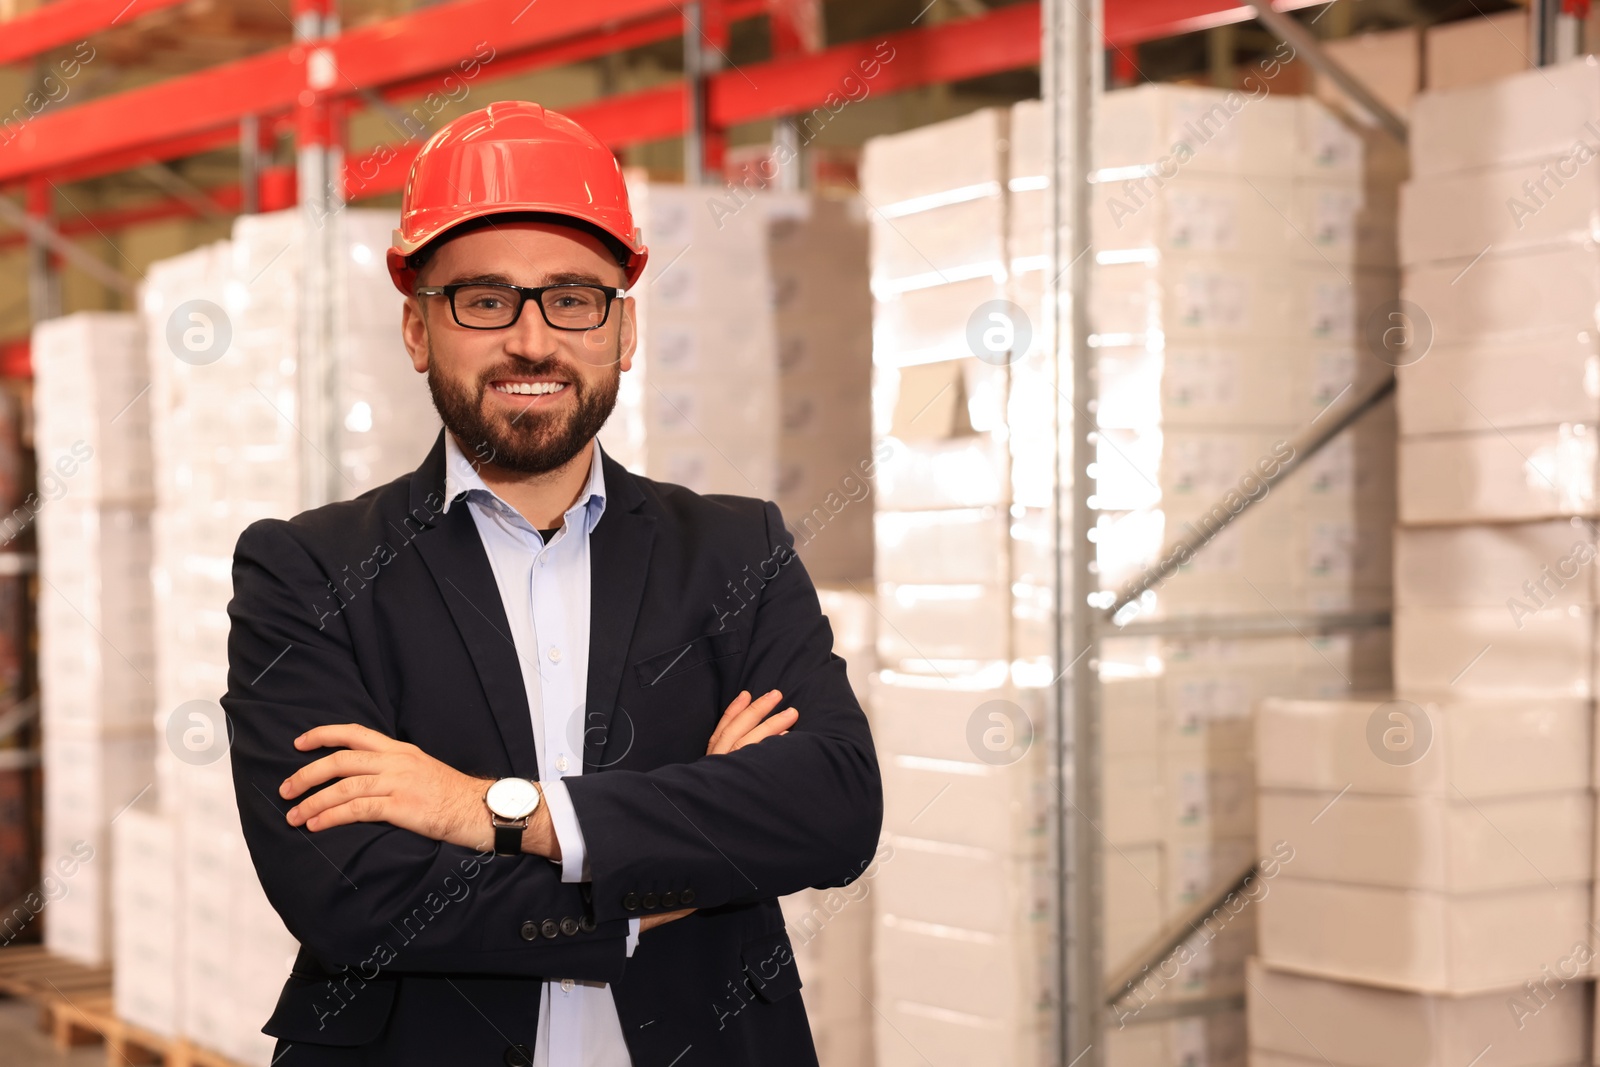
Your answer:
<point x="524" y="250"/>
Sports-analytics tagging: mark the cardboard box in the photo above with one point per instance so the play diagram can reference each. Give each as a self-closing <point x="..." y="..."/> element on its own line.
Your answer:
<point x="1300" y="1018"/>
<point x="1495" y="652"/>
<point x="1511" y="475"/>
<point x="1419" y="940"/>
<point x="1533" y="115"/>
<point x="1475" y="748"/>
<point x="1477" y="50"/>
<point x="1222" y="131"/>
<point x="1445" y="844"/>
<point x="1504" y="297"/>
<point x="1489" y="565"/>
<point x="1539" y="380"/>
<point x="1523" y="205"/>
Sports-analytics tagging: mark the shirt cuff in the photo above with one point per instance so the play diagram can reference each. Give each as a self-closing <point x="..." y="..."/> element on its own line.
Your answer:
<point x="564" y="821"/>
<point x="633" y="935"/>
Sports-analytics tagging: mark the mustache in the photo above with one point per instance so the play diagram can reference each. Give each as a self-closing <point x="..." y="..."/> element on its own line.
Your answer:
<point x="529" y="368"/>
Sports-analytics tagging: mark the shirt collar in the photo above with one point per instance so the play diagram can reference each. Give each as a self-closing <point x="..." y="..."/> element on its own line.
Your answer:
<point x="461" y="478"/>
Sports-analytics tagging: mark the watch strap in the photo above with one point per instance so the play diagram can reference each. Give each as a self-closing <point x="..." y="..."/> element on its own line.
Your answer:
<point x="508" y="836"/>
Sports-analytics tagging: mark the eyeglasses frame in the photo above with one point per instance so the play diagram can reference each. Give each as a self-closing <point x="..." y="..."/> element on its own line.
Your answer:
<point x="524" y="294"/>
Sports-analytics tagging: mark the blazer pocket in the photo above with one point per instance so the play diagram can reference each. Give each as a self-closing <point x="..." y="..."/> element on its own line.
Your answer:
<point x="683" y="657"/>
<point x="769" y="964"/>
<point x="349" y="1012"/>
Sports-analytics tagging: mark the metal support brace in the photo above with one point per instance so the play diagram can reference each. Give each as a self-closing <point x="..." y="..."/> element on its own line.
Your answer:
<point x="1306" y="46"/>
<point x="42" y="233"/>
<point x="1305" y="624"/>
<point x="170" y="181"/>
<point x="249" y="165"/>
<point x="1123" y="982"/>
<point x="1322" y="430"/>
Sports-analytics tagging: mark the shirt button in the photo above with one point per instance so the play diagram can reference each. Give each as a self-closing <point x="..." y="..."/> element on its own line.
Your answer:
<point x="561" y="763"/>
<point x="566" y="985"/>
<point x="555" y="654"/>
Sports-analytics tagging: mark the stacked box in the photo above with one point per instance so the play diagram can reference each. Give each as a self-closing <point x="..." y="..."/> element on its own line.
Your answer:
<point x="146" y="924"/>
<point x="96" y="653"/>
<point x="753" y="370"/>
<point x="1443" y="838"/>
<point x="229" y="449"/>
<point x="1241" y="245"/>
<point x="963" y="575"/>
<point x="700" y="406"/>
<point x="1233" y="286"/>
<point x="822" y="317"/>
<point x="831" y="929"/>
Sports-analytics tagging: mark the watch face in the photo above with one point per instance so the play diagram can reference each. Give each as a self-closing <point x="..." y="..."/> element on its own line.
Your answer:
<point x="512" y="798"/>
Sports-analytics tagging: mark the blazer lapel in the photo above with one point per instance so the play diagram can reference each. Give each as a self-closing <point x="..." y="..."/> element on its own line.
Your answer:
<point x="454" y="554"/>
<point x="619" y="560"/>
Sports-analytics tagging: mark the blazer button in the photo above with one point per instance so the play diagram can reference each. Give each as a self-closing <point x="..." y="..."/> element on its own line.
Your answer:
<point x="630" y="902"/>
<point x="586" y="924"/>
<point x="686" y="897"/>
<point x="549" y="928"/>
<point x="651" y="900"/>
<point x="518" y="1056"/>
<point x="569" y="926"/>
<point x="530" y="930"/>
<point x="669" y="899"/>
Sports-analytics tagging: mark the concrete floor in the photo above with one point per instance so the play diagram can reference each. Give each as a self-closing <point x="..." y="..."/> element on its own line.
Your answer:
<point x="23" y="1044"/>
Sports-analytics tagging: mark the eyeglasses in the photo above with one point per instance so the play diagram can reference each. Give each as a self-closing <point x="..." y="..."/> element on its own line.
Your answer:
<point x="493" y="306"/>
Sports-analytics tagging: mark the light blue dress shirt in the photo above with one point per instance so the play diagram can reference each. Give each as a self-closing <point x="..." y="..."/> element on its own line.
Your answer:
<point x="545" y="591"/>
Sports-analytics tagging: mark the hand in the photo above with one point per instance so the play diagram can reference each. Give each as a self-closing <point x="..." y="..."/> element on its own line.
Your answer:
<point x="742" y="724"/>
<point x="384" y="780"/>
<point x="650" y="922"/>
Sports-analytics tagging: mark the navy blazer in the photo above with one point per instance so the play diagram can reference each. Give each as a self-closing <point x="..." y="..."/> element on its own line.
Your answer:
<point x="383" y="611"/>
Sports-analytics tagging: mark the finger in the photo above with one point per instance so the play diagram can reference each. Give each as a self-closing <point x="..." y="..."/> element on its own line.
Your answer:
<point x="779" y="723"/>
<point x="345" y="735"/>
<point x="742" y="722"/>
<point x="740" y="702"/>
<point x="741" y="707"/>
<point x="340" y="792"/>
<point x="338" y="765"/>
<point x="361" y="809"/>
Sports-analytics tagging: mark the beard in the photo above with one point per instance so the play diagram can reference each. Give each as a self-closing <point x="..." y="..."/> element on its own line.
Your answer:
<point x="529" y="441"/>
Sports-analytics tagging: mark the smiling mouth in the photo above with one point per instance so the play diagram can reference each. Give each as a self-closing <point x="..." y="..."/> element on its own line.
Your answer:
<point x="530" y="388"/>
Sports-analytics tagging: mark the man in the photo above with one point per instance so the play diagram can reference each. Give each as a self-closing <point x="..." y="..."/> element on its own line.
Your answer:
<point x="495" y="748"/>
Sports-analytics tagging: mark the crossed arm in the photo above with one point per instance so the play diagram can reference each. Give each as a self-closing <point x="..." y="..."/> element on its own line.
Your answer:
<point x="378" y="779"/>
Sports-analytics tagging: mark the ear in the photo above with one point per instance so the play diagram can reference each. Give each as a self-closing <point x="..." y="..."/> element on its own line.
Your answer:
<point x="628" y="340"/>
<point x="414" y="332"/>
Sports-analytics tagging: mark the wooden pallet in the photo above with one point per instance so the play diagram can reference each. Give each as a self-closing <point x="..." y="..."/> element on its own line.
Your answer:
<point x="75" y="1009"/>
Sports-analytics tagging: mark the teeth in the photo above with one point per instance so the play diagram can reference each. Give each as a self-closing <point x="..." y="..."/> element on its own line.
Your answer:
<point x="531" y="388"/>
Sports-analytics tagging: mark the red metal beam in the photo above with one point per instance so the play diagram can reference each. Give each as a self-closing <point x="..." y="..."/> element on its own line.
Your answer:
<point x="433" y="39"/>
<point x="1002" y="40"/>
<point x="67" y="21"/>
<point x="16" y="358"/>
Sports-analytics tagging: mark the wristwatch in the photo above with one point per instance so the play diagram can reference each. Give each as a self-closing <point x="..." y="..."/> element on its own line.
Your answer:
<point x="510" y="801"/>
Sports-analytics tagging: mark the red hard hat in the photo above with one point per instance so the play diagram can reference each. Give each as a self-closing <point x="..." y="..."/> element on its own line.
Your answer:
<point x="512" y="156"/>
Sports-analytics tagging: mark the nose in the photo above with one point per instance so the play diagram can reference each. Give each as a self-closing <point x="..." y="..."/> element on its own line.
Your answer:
<point x="530" y="336"/>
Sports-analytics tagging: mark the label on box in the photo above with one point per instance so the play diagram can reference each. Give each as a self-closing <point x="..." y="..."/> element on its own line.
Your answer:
<point x="1213" y="300"/>
<point x="1203" y="221"/>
